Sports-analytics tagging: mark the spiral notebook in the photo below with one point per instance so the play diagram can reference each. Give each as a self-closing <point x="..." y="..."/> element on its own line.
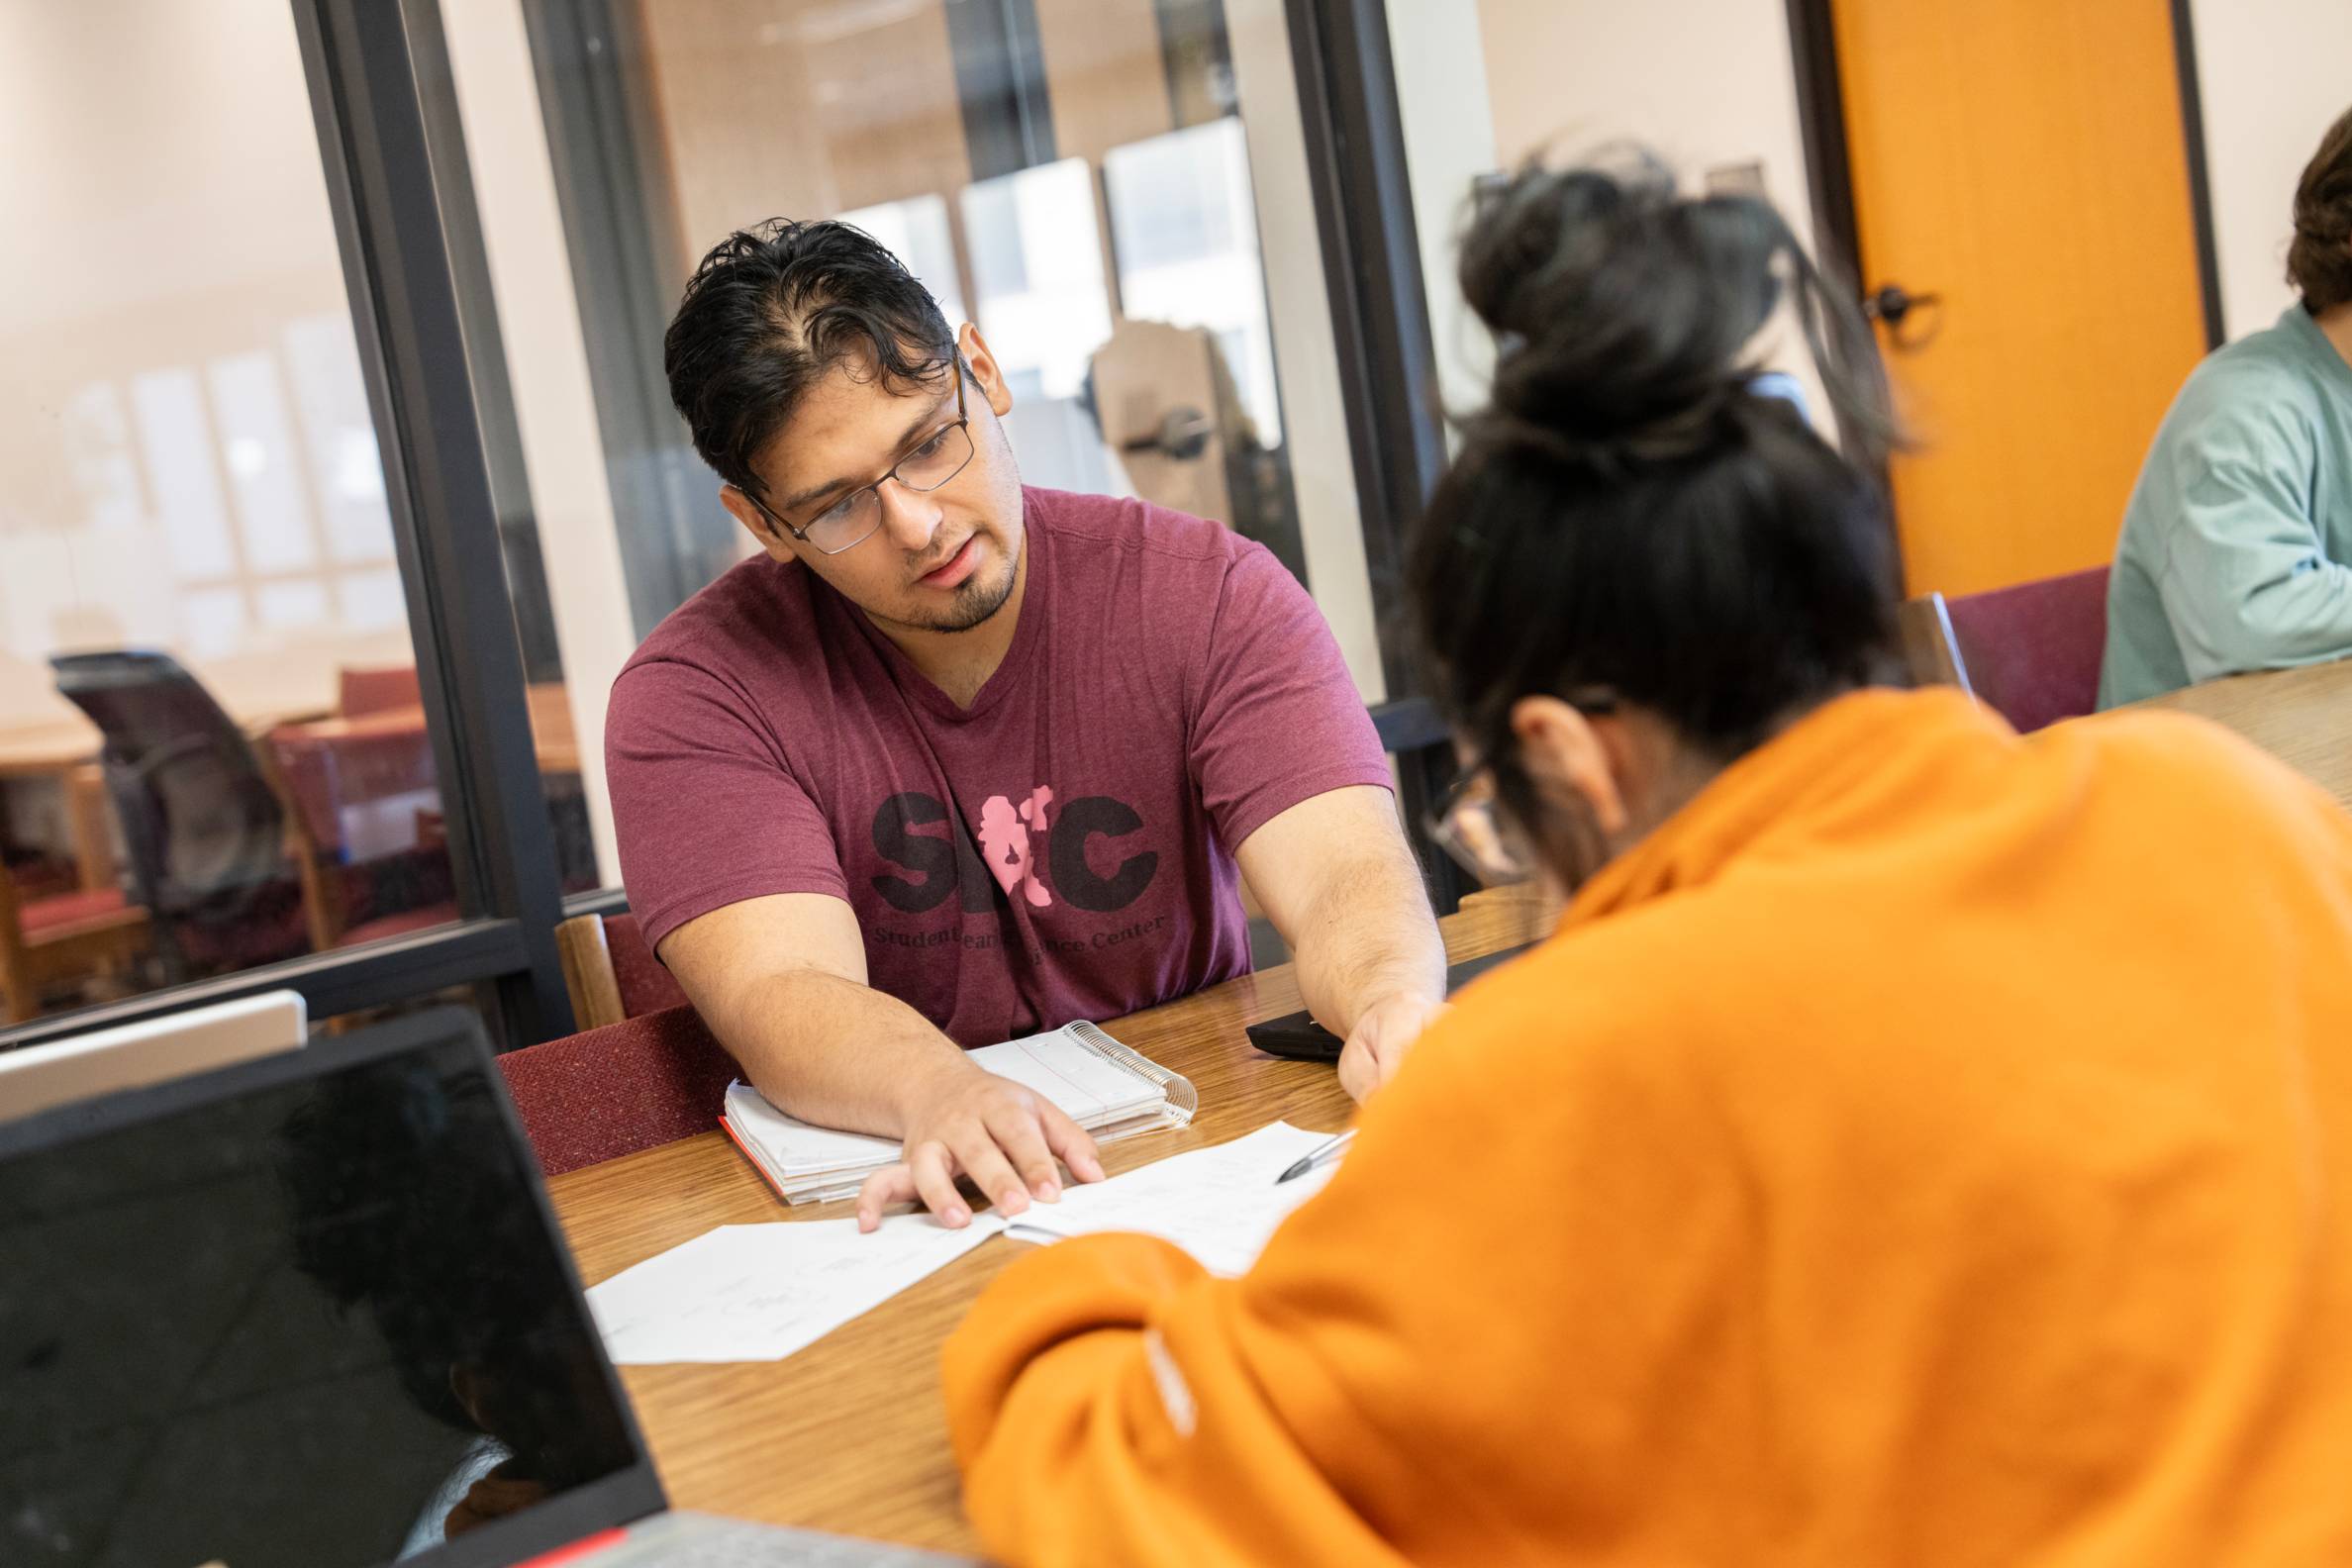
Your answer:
<point x="1110" y="1091"/>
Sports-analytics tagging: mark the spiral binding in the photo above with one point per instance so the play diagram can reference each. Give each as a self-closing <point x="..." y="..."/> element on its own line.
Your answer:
<point x="1183" y="1099"/>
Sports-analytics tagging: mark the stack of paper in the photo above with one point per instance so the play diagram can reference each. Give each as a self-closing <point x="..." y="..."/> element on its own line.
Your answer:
<point x="1102" y="1085"/>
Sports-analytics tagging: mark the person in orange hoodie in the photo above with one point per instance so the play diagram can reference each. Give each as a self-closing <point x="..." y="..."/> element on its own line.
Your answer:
<point x="1917" y="1145"/>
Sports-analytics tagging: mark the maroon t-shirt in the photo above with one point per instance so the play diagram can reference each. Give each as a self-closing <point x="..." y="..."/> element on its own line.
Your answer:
<point x="1063" y="849"/>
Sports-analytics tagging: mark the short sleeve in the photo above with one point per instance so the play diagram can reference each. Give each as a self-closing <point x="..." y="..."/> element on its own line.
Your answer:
<point x="705" y="813"/>
<point x="1276" y="719"/>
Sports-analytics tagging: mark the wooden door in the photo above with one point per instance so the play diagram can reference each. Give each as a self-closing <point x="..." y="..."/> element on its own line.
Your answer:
<point x="2025" y="162"/>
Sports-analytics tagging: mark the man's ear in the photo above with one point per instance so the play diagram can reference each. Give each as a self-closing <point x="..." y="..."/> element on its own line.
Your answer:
<point x="765" y="534"/>
<point x="985" y="373"/>
<point x="1565" y="752"/>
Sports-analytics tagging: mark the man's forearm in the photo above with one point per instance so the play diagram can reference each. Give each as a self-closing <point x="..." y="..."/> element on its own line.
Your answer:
<point x="1368" y="935"/>
<point x="834" y="1053"/>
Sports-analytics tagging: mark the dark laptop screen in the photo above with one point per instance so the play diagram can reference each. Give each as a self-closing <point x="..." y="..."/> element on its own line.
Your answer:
<point x="319" y="1322"/>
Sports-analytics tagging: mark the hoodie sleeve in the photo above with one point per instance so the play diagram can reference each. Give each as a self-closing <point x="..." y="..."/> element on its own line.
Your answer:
<point x="1363" y="1394"/>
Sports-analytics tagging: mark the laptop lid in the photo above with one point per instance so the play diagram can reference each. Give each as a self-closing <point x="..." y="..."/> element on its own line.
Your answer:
<point x="149" y="1050"/>
<point x="308" y="1311"/>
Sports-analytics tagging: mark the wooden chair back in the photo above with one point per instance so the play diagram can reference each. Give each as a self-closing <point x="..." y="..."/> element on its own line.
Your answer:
<point x="88" y="933"/>
<point x="367" y="689"/>
<point x="611" y="971"/>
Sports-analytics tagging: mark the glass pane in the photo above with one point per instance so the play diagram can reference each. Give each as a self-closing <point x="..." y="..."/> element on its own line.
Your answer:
<point x="193" y="525"/>
<point x="1115" y="193"/>
<point x="1037" y="274"/>
<point x="916" y="231"/>
<point x="1186" y="237"/>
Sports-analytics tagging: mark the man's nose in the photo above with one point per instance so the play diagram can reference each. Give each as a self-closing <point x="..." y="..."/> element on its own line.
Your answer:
<point x="912" y="516"/>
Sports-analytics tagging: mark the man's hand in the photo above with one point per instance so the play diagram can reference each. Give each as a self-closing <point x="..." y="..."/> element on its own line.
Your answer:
<point x="493" y="1497"/>
<point x="1383" y="1033"/>
<point x="969" y="1122"/>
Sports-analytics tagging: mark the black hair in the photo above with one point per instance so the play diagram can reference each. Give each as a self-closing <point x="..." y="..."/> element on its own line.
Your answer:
<point x="1630" y="513"/>
<point x="770" y="311"/>
<point x="2320" y="261"/>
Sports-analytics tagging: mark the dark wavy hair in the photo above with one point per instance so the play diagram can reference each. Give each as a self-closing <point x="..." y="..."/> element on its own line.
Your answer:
<point x="1631" y="514"/>
<point x="770" y="311"/>
<point x="2320" y="261"/>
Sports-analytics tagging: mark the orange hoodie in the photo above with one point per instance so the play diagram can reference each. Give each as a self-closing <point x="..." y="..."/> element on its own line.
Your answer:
<point x="1929" y="1147"/>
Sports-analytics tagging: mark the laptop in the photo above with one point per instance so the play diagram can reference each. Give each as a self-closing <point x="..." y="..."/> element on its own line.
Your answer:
<point x="312" y="1310"/>
<point x="150" y="1051"/>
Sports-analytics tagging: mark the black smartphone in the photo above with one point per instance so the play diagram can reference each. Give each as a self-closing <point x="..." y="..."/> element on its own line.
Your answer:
<point x="1296" y="1036"/>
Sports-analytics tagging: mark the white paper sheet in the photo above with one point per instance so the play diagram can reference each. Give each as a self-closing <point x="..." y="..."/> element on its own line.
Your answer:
<point x="1221" y="1205"/>
<point x="760" y="1292"/>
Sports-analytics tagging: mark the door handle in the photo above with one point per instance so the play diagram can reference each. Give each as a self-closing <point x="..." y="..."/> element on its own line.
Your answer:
<point x="1893" y="302"/>
<point x="1182" y="434"/>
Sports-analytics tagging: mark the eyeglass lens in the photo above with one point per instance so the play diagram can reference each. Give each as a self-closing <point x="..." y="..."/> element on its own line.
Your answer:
<point x="850" y="519"/>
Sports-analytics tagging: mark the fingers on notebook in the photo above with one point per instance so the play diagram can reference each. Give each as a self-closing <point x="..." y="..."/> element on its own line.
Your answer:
<point x="977" y="1154"/>
<point x="1070" y="1141"/>
<point x="1018" y="1131"/>
<point x="1010" y="1156"/>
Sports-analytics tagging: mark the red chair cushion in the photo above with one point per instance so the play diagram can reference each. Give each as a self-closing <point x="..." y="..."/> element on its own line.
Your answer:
<point x="2032" y="651"/>
<point x="41" y="915"/>
<point x="607" y="1091"/>
<point x="644" y="981"/>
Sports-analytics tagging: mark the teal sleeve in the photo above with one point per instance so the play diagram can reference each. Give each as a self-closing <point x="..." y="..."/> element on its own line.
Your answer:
<point x="2246" y="582"/>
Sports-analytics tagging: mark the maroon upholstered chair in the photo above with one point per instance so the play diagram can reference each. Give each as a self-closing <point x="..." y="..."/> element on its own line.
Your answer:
<point x="607" y="1091"/>
<point x="611" y="970"/>
<point x="367" y="690"/>
<point x="67" y="936"/>
<point x="2032" y="651"/>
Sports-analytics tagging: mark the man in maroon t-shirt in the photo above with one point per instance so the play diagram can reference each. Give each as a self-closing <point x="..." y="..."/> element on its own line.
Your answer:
<point x="956" y="760"/>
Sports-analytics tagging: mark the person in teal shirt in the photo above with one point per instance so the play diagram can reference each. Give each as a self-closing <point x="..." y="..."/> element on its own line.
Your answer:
<point x="2236" y="553"/>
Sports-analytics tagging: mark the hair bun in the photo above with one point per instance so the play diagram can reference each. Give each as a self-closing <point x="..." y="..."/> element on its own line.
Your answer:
<point x="1621" y="310"/>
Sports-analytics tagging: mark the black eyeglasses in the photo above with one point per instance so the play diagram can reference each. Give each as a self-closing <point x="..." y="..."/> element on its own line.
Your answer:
<point x="1468" y="821"/>
<point x="852" y="520"/>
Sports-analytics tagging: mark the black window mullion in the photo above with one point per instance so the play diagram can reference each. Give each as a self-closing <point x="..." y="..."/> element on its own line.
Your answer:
<point x="381" y="974"/>
<point x="1380" y="323"/>
<point x="371" y="126"/>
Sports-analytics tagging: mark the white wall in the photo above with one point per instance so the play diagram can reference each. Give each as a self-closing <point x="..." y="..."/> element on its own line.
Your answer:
<point x="1314" y="407"/>
<point x="2272" y="75"/>
<point x="547" y="354"/>
<point x="1441" y="91"/>
<point x="1704" y="83"/>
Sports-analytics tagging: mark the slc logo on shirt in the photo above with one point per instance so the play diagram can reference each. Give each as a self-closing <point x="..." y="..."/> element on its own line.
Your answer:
<point x="1012" y="838"/>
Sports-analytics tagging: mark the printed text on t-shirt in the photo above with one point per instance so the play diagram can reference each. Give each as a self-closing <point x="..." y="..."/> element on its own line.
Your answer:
<point x="944" y="862"/>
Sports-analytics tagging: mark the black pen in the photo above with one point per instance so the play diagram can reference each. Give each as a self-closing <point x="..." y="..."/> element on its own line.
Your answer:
<point x="1322" y="1154"/>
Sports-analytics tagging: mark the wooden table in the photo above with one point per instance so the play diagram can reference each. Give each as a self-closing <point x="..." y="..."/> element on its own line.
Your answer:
<point x="554" y="740"/>
<point x="849" y="1434"/>
<point x="2302" y="717"/>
